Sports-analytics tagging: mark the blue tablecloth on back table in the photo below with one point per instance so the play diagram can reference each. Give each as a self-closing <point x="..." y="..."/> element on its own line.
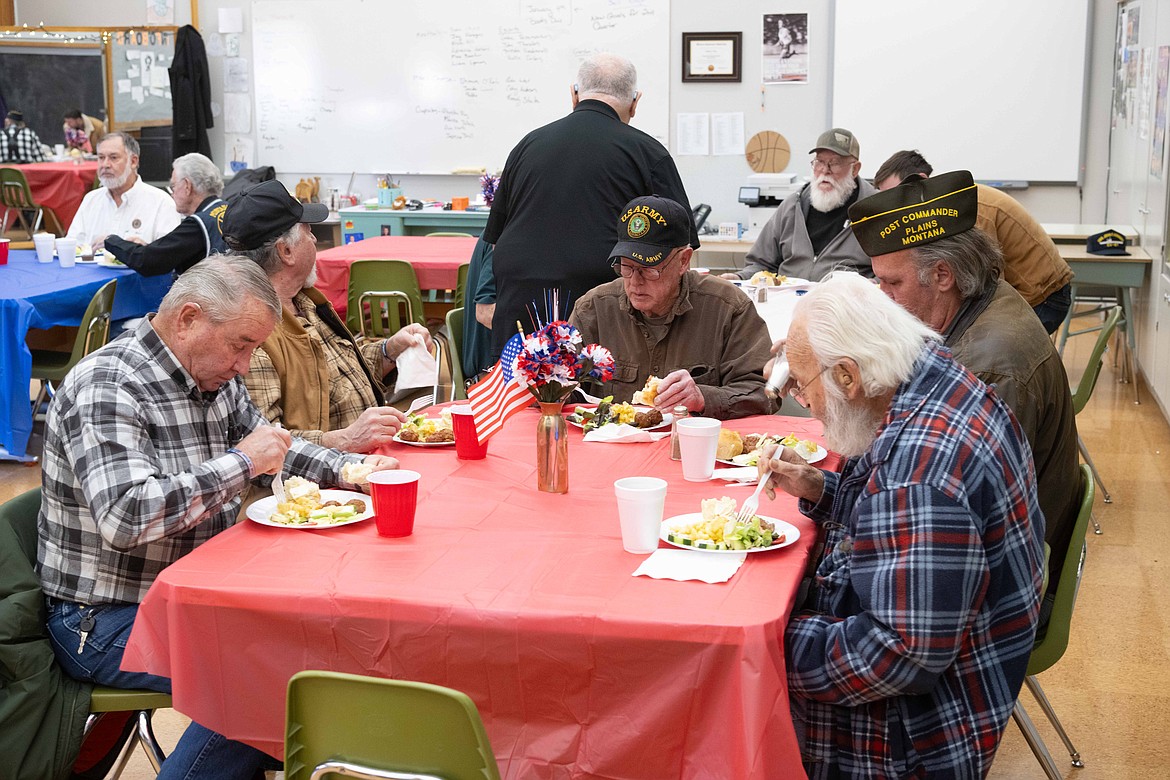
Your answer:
<point x="43" y="295"/>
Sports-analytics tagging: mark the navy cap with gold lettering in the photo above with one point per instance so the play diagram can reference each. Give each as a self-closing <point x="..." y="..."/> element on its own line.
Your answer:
<point x="915" y="212"/>
<point x="649" y="228"/>
<point x="1108" y="242"/>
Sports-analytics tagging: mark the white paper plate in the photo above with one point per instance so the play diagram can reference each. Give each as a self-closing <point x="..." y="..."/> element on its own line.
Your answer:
<point x="791" y="534"/>
<point x="667" y="418"/>
<point x="108" y="260"/>
<point x="260" y="511"/>
<point x="817" y="457"/>
<point x="423" y="443"/>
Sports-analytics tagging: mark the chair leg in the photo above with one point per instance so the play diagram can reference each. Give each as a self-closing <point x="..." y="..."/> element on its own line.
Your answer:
<point x="1108" y="499"/>
<point x="150" y="746"/>
<point x="1032" y="737"/>
<point x="123" y="759"/>
<point x="1034" y="686"/>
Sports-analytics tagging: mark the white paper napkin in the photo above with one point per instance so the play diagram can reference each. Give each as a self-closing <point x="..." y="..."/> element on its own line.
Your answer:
<point x="416" y="368"/>
<point x="690" y="565"/>
<point x="738" y="474"/>
<point x="624" y="433"/>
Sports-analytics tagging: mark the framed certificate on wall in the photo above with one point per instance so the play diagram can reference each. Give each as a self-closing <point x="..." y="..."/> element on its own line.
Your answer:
<point x="712" y="56"/>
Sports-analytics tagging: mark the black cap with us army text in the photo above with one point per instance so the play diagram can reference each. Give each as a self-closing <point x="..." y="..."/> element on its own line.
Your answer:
<point x="916" y="212"/>
<point x="1108" y="242"/>
<point x="649" y="228"/>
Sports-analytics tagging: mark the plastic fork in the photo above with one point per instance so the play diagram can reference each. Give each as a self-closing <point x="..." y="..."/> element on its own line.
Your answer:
<point x="278" y="481"/>
<point x="421" y="402"/>
<point x="752" y="504"/>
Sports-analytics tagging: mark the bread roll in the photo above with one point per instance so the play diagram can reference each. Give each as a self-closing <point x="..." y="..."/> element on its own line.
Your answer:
<point x="730" y="444"/>
<point x="646" y="396"/>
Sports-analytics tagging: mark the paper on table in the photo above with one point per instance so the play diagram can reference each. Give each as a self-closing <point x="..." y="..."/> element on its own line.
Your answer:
<point x="738" y="474"/>
<point x="623" y="434"/>
<point x="690" y="565"/>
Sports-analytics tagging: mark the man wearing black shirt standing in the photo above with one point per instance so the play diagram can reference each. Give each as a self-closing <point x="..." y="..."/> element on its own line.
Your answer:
<point x="809" y="234"/>
<point x="554" y="217"/>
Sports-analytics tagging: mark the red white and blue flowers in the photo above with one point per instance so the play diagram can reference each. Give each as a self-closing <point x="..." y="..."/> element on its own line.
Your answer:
<point x="553" y="362"/>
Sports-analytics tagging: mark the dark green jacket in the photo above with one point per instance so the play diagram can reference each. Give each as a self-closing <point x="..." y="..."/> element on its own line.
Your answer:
<point x="42" y="710"/>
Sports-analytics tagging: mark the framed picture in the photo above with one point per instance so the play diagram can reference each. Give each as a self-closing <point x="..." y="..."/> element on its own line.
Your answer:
<point x="712" y="56"/>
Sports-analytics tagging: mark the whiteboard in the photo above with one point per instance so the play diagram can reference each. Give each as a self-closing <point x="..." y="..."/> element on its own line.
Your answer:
<point x="423" y="87"/>
<point x="996" y="86"/>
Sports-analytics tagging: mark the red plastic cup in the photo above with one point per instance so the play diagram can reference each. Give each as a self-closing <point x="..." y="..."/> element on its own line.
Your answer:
<point x="467" y="446"/>
<point x="395" y="494"/>
<point x="3" y="251"/>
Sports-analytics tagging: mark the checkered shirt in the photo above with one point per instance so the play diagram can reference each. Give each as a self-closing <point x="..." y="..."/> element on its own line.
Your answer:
<point x="920" y="623"/>
<point x="137" y="471"/>
<point x="21" y="145"/>
<point x="350" y="392"/>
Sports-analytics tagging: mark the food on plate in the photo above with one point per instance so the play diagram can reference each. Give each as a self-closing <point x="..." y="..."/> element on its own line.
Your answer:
<point x="608" y="412"/>
<point x="718" y="529"/>
<point x="805" y="448"/>
<point x="648" y="418"/>
<point x="767" y="279"/>
<point x="647" y="395"/>
<point x="303" y="506"/>
<point x="754" y="443"/>
<point x="730" y="444"/>
<point x="356" y="473"/>
<point x="432" y="430"/>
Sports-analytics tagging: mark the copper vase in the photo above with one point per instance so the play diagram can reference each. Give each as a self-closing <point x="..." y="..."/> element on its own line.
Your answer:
<point x="552" y="449"/>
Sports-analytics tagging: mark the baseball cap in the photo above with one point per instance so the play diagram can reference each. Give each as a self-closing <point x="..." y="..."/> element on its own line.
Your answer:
<point x="915" y="213"/>
<point x="649" y="228"/>
<point x="260" y="213"/>
<point x="16" y="116"/>
<point x="838" y="140"/>
<point x="1107" y="242"/>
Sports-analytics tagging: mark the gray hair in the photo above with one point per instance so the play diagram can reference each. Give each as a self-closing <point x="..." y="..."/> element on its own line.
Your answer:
<point x="846" y="316"/>
<point x="608" y="74"/>
<point x="221" y="285"/>
<point x="129" y="141"/>
<point x="973" y="256"/>
<point x="201" y="172"/>
<point x="267" y="257"/>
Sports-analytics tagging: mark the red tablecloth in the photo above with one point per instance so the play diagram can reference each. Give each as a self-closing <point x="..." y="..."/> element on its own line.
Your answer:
<point x="436" y="262"/>
<point x="523" y="600"/>
<point x="59" y="185"/>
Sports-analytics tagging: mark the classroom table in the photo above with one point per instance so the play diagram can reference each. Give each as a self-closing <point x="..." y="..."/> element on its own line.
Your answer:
<point x="1066" y="232"/>
<point x="436" y="262"/>
<point x="44" y="295"/>
<point x="59" y="185"/>
<point x="523" y="600"/>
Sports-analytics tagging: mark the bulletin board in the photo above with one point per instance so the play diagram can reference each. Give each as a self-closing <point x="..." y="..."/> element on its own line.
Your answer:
<point x="137" y="80"/>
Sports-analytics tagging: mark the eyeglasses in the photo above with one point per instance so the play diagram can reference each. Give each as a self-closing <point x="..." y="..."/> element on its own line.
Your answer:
<point x="798" y="391"/>
<point x="820" y="166"/>
<point x="647" y="274"/>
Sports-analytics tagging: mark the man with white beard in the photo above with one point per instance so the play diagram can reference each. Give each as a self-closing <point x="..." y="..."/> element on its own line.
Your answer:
<point x="124" y="205"/>
<point x="809" y="236"/>
<point x="907" y="652"/>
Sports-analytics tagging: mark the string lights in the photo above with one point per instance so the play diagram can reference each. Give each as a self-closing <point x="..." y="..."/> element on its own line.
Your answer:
<point x="126" y="36"/>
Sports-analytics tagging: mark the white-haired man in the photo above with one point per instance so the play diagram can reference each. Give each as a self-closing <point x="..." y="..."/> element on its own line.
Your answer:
<point x="808" y="237"/>
<point x="124" y="205"/>
<point x="149" y="445"/>
<point x="196" y="186"/>
<point x="906" y="655"/>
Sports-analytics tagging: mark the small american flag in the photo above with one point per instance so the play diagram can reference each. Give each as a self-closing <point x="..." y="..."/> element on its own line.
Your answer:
<point x="496" y="398"/>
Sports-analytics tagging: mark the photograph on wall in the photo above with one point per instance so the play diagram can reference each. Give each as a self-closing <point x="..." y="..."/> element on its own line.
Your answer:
<point x="1158" y="150"/>
<point x="785" y="48"/>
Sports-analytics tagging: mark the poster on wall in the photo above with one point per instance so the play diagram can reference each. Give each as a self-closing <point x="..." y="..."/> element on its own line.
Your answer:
<point x="160" y="12"/>
<point x="785" y="49"/>
<point x="1158" y="150"/>
<point x="1145" y="93"/>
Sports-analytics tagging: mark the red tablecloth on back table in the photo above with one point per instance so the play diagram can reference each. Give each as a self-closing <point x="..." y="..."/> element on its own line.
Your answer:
<point x="436" y="262"/>
<point x="59" y="185"/>
<point x="523" y="600"/>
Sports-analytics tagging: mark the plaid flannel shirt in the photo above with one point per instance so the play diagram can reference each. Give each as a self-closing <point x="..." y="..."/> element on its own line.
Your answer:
<point x="137" y="469"/>
<point x="21" y="145"/>
<point x="923" y="612"/>
<point x="350" y="393"/>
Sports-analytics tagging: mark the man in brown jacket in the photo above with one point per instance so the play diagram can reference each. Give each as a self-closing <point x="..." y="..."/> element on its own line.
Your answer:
<point x="701" y="335"/>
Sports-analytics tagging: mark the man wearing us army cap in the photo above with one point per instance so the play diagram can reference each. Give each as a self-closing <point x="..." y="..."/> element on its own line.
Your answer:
<point x="930" y="258"/>
<point x="809" y="235"/>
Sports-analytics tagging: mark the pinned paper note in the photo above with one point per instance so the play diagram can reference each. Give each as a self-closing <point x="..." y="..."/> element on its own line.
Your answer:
<point x="231" y="20"/>
<point x="231" y="45"/>
<point x="240" y="154"/>
<point x="160" y="77"/>
<point x="136" y="95"/>
<point x="123" y="86"/>
<point x="132" y="54"/>
<point x="214" y="42"/>
<point x="235" y="74"/>
<point x="237" y="111"/>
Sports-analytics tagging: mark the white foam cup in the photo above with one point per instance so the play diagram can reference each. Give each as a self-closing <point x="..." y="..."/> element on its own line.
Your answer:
<point x="698" y="441"/>
<point x="640" y="501"/>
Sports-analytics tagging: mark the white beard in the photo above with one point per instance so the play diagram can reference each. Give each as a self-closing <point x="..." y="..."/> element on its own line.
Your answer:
<point x="835" y="198"/>
<point x="848" y="431"/>
<point x="116" y="182"/>
<point x="312" y="280"/>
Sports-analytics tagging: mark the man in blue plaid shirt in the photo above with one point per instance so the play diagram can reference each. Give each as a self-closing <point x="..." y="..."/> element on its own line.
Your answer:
<point x="20" y="143"/>
<point x="906" y="656"/>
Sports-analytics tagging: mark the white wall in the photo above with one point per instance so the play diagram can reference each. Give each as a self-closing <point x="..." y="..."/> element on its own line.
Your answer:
<point x="798" y="111"/>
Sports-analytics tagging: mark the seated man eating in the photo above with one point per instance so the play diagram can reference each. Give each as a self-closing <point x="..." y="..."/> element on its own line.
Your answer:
<point x="701" y="335"/>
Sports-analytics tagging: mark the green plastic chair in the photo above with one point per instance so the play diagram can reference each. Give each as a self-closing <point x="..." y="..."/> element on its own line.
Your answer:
<point x="16" y="198"/>
<point x="1084" y="391"/>
<point x="18" y="519"/>
<point x="50" y="366"/>
<point x="1051" y="644"/>
<point x="389" y="285"/>
<point x="455" y="354"/>
<point x="366" y="727"/>
<point x="461" y="286"/>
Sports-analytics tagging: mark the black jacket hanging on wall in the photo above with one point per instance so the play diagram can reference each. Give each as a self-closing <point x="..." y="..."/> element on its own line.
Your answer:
<point x="190" y="94"/>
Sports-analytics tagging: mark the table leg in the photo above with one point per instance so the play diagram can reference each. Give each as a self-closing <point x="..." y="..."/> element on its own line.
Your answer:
<point x="1129" y="357"/>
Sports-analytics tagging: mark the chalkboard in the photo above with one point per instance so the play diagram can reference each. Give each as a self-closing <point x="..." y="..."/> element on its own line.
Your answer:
<point x="44" y="83"/>
<point x="139" y="82"/>
<point x="996" y="87"/>
<point x="415" y="86"/>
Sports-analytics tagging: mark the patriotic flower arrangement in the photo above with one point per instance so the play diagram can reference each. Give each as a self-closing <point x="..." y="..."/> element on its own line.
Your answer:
<point x="552" y="361"/>
<point x="488" y="185"/>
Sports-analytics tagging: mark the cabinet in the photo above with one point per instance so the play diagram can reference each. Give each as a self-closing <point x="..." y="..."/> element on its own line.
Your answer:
<point x="358" y="223"/>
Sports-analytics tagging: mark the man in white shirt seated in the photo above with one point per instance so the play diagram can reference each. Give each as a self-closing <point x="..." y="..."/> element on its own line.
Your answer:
<point x="124" y="205"/>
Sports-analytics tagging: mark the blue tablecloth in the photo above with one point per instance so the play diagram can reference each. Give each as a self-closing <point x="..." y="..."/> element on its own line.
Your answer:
<point x="43" y="295"/>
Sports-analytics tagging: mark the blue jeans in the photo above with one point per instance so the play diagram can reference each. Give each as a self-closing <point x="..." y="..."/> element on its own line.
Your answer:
<point x="200" y="752"/>
<point x="1053" y="309"/>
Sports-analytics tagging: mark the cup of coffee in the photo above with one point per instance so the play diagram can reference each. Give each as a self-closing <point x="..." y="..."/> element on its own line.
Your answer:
<point x="395" y="494"/>
<point x="640" y="501"/>
<point x="467" y="446"/>
<point x="698" y="440"/>
<point x="67" y="251"/>
<point x="4" y="251"/>
<point x="43" y="243"/>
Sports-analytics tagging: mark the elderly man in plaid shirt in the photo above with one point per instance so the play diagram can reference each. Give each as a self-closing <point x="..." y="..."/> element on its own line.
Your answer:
<point x="20" y="142"/>
<point x="907" y="654"/>
<point x="149" y="445"/>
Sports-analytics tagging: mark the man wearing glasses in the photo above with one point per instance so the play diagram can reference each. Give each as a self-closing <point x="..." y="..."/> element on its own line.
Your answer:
<point x="809" y="235"/>
<point x="701" y="335"/>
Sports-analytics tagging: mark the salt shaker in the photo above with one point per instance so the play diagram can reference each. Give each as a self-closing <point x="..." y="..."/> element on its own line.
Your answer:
<point x="678" y="413"/>
<point x="778" y="378"/>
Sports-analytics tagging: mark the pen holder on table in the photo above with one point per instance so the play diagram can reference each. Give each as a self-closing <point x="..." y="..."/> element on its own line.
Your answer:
<point x="460" y="204"/>
<point x="386" y="195"/>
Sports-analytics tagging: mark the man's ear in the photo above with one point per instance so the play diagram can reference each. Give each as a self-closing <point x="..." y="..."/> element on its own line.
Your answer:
<point x="944" y="277"/>
<point x="847" y="374"/>
<point x="573" y="94"/>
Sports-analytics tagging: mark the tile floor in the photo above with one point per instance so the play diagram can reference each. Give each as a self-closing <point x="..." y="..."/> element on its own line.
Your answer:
<point x="1107" y="689"/>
